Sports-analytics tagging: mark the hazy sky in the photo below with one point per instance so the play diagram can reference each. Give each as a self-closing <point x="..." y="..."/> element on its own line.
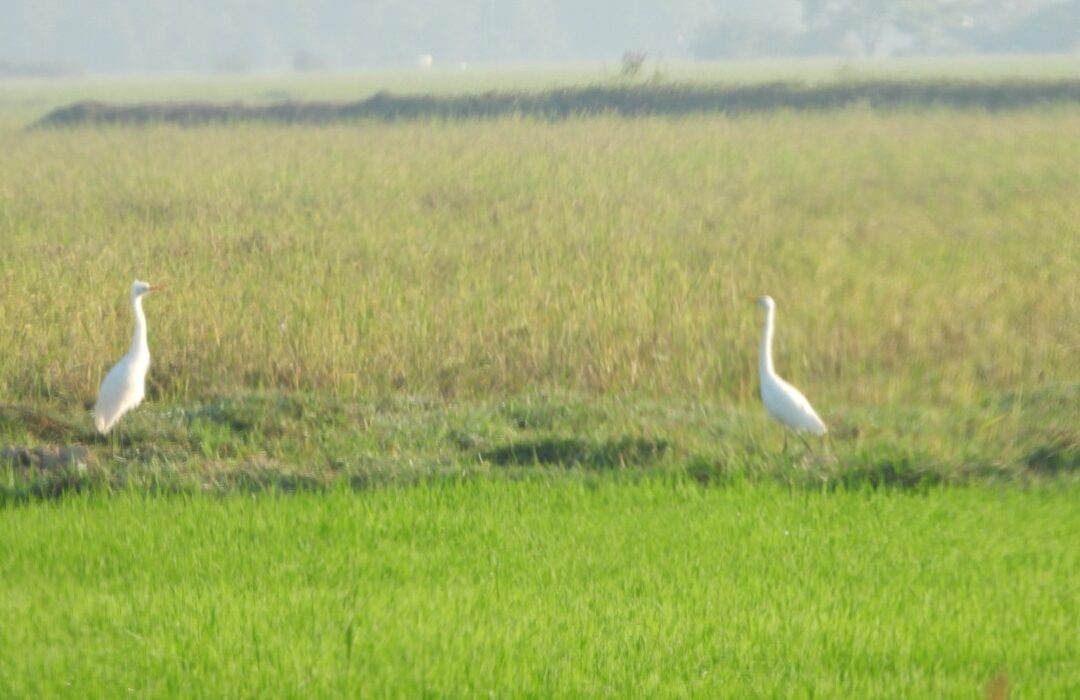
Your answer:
<point x="198" y="35"/>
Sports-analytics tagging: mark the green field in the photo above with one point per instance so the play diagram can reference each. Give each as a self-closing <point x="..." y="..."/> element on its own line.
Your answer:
<point x="449" y="407"/>
<point x="541" y="588"/>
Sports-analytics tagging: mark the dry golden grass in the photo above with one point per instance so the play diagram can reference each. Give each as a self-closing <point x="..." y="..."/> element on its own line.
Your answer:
<point x="915" y="257"/>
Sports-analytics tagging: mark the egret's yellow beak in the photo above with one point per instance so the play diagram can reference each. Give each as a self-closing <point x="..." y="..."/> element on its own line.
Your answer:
<point x="156" y="287"/>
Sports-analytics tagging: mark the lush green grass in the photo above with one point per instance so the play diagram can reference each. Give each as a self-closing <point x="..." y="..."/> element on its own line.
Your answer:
<point x="567" y="587"/>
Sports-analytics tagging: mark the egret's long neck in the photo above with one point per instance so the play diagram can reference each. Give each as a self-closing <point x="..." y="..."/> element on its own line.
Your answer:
<point x="765" y="365"/>
<point x="139" y="345"/>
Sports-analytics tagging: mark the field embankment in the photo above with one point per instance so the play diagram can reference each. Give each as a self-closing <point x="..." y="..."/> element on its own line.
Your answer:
<point x="650" y="99"/>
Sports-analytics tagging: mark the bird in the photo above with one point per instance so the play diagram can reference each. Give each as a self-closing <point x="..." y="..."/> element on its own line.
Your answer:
<point x="125" y="385"/>
<point x="783" y="402"/>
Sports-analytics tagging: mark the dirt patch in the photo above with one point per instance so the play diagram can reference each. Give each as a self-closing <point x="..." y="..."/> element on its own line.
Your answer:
<point x="1060" y="457"/>
<point x="570" y="452"/>
<point x="46" y="457"/>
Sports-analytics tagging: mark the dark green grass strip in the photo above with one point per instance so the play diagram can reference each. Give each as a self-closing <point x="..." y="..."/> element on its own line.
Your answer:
<point x="561" y="103"/>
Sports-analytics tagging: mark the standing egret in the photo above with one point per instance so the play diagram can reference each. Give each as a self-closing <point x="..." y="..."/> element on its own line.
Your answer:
<point x="784" y="403"/>
<point x="125" y="385"/>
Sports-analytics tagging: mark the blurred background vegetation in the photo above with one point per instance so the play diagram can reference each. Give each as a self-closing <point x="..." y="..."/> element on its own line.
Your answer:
<point x="229" y="36"/>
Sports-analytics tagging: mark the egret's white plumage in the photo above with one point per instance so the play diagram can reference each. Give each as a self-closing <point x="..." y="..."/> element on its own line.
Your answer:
<point x="784" y="403"/>
<point x="125" y="385"/>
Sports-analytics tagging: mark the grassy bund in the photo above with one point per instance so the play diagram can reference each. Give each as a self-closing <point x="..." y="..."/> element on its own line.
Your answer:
<point x="561" y="103"/>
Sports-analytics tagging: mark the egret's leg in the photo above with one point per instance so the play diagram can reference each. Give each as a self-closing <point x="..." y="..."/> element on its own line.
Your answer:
<point x="811" y="449"/>
<point x="109" y="438"/>
<point x="126" y="441"/>
<point x="123" y="439"/>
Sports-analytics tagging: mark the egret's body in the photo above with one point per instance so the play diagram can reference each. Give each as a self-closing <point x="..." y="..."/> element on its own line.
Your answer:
<point x="783" y="402"/>
<point x="125" y="385"/>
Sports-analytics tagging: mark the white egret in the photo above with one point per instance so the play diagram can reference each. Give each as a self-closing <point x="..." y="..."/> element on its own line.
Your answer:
<point x="125" y="385"/>
<point x="783" y="402"/>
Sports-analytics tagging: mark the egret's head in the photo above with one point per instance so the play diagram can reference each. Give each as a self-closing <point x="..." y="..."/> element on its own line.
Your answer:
<point x="139" y="288"/>
<point x="766" y="302"/>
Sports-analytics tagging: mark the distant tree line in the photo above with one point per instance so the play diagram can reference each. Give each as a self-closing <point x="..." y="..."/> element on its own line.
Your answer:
<point x="923" y="27"/>
<point x="56" y="37"/>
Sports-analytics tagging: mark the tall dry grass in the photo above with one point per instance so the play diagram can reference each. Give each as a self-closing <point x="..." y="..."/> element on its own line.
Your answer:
<point x="914" y="256"/>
